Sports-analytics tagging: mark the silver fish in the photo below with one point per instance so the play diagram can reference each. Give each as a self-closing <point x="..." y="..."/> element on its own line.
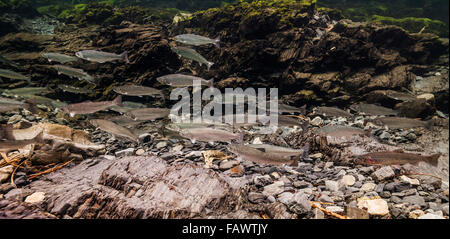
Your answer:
<point x="402" y="123"/>
<point x="27" y="91"/>
<point x="196" y="40"/>
<point x="211" y="135"/>
<point x="257" y="156"/>
<point x="13" y="75"/>
<point x="331" y="112"/>
<point x="137" y="90"/>
<point x="114" y="129"/>
<point x="371" y="109"/>
<point x="7" y="105"/>
<point x="10" y="63"/>
<point x="102" y="57"/>
<point x="127" y="107"/>
<point x="193" y="55"/>
<point x="125" y="121"/>
<point x="282" y="151"/>
<point x="73" y="72"/>
<point x="91" y="107"/>
<point x="182" y="126"/>
<point x="341" y="131"/>
<point x="148" y="114"/>
<point x="73" y="89"/>
<point x="58" y="57"/>
<point x="9" y="145"/>
<point x="180" y="80"/>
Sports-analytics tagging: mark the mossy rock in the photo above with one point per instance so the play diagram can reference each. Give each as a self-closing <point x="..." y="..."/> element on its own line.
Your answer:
<point x="414" y="24"/>
<point x="21" y="7"/>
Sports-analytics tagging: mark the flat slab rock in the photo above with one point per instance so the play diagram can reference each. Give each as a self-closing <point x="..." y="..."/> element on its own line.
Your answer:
<point x="130" y="187"/>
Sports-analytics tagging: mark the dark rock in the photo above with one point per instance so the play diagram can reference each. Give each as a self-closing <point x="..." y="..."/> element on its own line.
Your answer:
<point x="415" y="200"/>
<point x="256" y="197"/>
<point x="401" y="186"/>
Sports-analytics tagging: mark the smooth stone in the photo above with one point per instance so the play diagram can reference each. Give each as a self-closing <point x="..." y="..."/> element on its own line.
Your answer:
<point x="348" y="180"/>
<point x="415" y="200"/>
<point x="161" y="145"/>
<point x="36" y="197"/>
<point x="125" y="152"/>
<point x="383" y="173"/>
<point x="431" y="216"/>
<point x="274" y="188"/>
<point x="335" y="209"/>
<point x="376" y="207"/>
<point x="286" y="198"/>
<point x="5" y="173"/>
<point x="332" y="185"/>
<point x="140" y="152"/>
<point x="368" y="187"/>
<point x="416" y="214"/>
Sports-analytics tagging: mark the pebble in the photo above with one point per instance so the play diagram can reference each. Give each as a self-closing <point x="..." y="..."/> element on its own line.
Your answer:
<point x="383" y="173"/>
<point x="225" y="165"/>
<point x="414" y="182"/>
<point x="326" y="198"/>
<point x="274" y="188"/>
<point x="14" y="119"/>
<point x="5" y="172"/>
<point x="140" y="152"/>
<point x="256" y="198"/>
<point x="445" y="210"/>
<point x="317" y="121"/>
<point x="262" y="181"/>
<point x="348" y="180"/>
<point x="125" y="152"/>
<point x="368" y="187"/>
<point x="416" y="214"/>
<point x="286" y="198"/>
<point x="335" y="209"/>
<point x="415" y="200"/>
<point x="376" y="207"/>
<point x="161" y="145"/>
<point x="301" y="184"/>
<point x="316" y="156"/>
<point x="385" y="135"/>
<point x="431" y="216"/>
<point x="332" y="185"/>
<point x="36" y="197"/>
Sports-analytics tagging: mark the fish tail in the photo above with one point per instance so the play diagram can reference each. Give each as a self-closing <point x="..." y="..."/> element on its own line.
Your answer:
<point x="124" y="55"/>
<point x="211" y="83"/>
<point x="303" y="110"/>
<point x="118" y="101"/>
<point x="433" y="159"/>
<point x="209" y="64"/>
<point x="8" y="132"/>
<point x="241" y="137"/>
<point x="31" y="105"/>
<point x="429" y="124"/>
<point x="304" y="126"/>
<point x="217" y="42"/>
<point x="40" y="138"/>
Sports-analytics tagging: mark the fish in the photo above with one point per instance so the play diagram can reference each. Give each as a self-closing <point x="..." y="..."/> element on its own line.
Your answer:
<point x="8" y="62"/>
<point x="45" y="101"/>
<point x="7" y="105"/>
<point x="211" y="135"/>
<point x="254" y="155"/>
<point x="399" y="95"/>
<point x="73" y="89"/>
<point x="125" y="121"/>
<point x="331" y="112"/>
<point x="127" y="107"/>
<point x="341" y="131"/>
<point x="9" y="145"/>
<point x="146" y="114"/>
<point x="91" y="107"/>
<point x="114" y="129"/>
<point x="193" y="55"/>
<point x="180" y="80"/>
<point x="137" y="90"/>
<point x="102" y="57"/>
<point x="371" y="109"/>
<point x="13" y="75"/>
<point x="283" y="108"/>
<point x="289" y="121"/>
<point x="196" y="40"/>
<point x="58" y="57"/>
<point x="396" y="158"/>
<point x="74" y="73"/>
<point x="181" y="126"/>
<point x="401" y="122"/>
<point x="282" y="151"/>
<point x="27" y="91"/>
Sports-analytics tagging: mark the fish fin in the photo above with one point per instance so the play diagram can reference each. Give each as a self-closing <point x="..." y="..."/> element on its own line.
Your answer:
<point x="295" y="162"/>
<point x="118" y="101"/>
<point x="303" y="110"/>
<point x="211" y="83"/>
<point x="124" y="55"/>
<point x="433" y="159"/>
<point x="209" y="64"/>
<point x="306" y="149"/>
<point x="429" y="124"/>
<point x="217" y="42"/>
